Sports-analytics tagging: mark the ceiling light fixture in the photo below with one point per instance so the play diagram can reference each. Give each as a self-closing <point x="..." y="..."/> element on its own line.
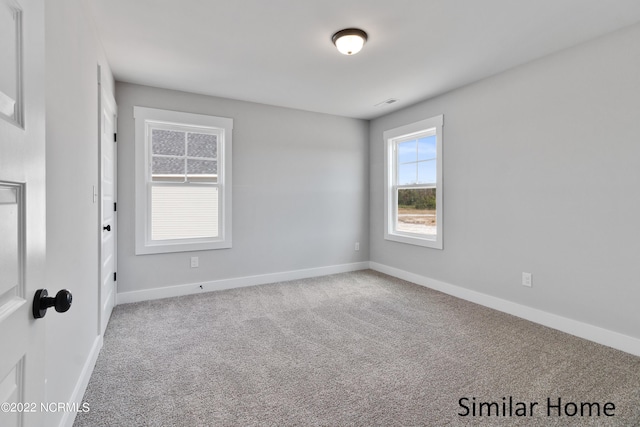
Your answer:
<point x="349" y="41"/>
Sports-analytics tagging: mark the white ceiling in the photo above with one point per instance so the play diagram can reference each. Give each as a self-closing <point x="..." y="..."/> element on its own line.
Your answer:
<point x="279" y="52"/>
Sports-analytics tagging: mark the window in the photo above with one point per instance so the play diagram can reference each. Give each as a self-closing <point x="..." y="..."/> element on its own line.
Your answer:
<point x="183" y="181"/>
<point x="413" y="182"/>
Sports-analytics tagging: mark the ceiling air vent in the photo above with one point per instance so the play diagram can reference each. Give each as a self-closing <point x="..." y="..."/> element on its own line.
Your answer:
<point x="387" y="102"/>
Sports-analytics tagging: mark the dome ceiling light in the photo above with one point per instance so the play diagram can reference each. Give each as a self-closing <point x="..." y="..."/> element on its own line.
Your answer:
<point x="349" y="41"/>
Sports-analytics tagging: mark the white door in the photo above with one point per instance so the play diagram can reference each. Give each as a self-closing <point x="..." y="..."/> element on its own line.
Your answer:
<point x="108" y="208"/>
<point x="22" y="211"/>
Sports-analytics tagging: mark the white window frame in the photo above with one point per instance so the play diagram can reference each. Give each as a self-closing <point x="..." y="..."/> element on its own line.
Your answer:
<point x="391" y="139"/>
<point x="222" y="127"/>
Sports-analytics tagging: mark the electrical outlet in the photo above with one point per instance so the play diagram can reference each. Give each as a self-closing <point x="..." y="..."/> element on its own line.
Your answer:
<point x="527" y="279"/>
<point x="357" y="246"/>
<point x="194" y="262"/>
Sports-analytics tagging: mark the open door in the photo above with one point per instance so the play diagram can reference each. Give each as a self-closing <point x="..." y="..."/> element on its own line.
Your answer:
<point x="22" y="211"/>
<point x="108" y="223"/>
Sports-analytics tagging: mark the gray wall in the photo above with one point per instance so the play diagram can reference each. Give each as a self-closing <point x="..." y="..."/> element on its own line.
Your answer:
<point x="73" y="53"/>
<point x="300" y="192"/>
<point x="541" y="174"/>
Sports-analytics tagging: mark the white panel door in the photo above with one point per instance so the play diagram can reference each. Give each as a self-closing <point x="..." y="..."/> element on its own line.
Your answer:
<point x="108" y="209"/>
<point x="22" y="211"/>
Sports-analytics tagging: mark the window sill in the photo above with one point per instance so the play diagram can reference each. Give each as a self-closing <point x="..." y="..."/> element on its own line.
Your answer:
<point x="163" y="248"/>
<point x="434" y="243"/>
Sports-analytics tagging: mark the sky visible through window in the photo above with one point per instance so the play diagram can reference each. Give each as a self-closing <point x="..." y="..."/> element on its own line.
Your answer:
<point x="417" y="161"/>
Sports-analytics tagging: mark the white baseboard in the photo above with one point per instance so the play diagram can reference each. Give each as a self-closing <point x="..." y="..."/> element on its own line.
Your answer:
<point x="239" y="282"/>
<point x="583" y="330"/>
<point x="81" y="386"/>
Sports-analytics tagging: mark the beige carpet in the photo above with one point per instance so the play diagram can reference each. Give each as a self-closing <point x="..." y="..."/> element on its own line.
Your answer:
<point x="354" y="349"/>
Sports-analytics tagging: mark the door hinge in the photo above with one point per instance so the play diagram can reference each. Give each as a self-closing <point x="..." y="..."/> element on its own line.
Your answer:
<point x="115" y="137"/>
<point x="115" y="207"/>
<point x="114" y="276"/>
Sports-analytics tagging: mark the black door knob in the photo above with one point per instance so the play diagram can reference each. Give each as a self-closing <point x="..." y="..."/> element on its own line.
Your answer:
<point x="107" y="227"/>
<point x="42" y="301"/>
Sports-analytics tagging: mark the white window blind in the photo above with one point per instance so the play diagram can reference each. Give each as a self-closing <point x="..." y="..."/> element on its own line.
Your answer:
<point x="184" y="212"/>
